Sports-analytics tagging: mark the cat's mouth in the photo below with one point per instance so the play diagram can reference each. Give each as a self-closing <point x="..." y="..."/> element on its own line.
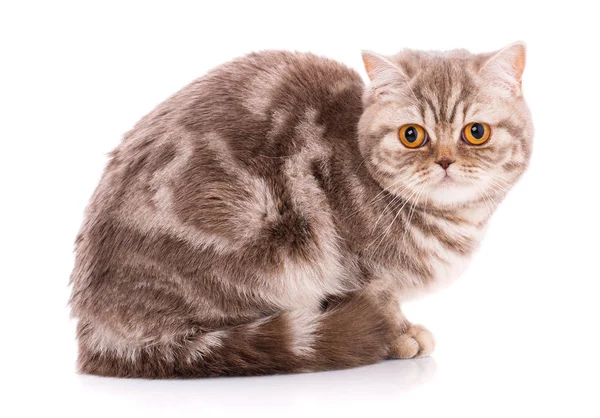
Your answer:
<point x="451" y="180"/>
<point x="447" y="179"/>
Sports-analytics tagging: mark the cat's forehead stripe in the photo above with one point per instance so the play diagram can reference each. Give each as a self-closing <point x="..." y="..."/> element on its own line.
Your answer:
<point x="442" y="93"/>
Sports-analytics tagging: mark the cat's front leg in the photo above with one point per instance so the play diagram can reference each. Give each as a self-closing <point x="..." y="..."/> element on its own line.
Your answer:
<point x="410" y="340"/>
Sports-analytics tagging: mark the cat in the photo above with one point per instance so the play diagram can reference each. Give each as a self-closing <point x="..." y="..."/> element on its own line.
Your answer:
<point x="272" y="216"/>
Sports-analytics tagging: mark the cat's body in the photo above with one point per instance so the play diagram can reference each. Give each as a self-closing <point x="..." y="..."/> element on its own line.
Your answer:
<point x="250" y="224"/>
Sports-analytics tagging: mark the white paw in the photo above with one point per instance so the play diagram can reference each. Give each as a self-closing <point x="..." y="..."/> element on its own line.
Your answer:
<point x="417" y="341"/>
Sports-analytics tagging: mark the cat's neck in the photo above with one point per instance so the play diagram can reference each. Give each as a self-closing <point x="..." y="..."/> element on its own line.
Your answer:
<point x="477" y="212"/>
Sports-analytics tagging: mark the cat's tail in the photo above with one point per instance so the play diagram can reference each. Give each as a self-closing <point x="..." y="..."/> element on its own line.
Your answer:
<point x="353" y="333"/>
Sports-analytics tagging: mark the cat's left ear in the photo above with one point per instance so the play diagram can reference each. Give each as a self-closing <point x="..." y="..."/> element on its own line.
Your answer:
<point x="386" y="77"/>
<point x="504" y="69"/>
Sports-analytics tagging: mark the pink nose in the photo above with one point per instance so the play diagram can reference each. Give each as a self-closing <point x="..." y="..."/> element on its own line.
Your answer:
<point x="445" y="163"/>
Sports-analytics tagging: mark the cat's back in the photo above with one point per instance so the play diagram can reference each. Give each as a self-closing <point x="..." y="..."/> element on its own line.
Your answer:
<point x="245" y="118"/>
<point x="218" y="179"/>
<point x="259" y="100"/>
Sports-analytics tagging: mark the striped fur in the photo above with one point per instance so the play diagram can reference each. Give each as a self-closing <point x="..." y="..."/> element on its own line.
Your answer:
<point x="265" y="219"/>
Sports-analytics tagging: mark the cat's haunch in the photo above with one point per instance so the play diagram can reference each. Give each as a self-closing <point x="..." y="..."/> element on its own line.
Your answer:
<point x="272" y="216"/>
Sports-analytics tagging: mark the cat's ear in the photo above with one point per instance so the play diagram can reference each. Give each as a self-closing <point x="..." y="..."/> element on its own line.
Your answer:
<point x="504" y="69"/>
<point x="386" y="77"/>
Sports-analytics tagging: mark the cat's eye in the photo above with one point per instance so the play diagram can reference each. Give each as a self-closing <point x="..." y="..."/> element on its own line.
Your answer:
<point x="412" y="135"/>
<point x="476" y="133"/>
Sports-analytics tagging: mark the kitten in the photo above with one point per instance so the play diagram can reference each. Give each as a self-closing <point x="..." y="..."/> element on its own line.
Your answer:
<point x="272" y="216"/>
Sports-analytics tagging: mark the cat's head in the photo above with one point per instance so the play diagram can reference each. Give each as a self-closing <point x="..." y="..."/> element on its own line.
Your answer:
<point x="446" y="128"/>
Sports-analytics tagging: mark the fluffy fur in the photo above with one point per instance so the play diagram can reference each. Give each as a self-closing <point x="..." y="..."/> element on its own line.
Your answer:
<point x="266" y="218"/>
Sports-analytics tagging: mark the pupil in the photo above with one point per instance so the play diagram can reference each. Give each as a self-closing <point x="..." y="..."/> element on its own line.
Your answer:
<point x="411" y="134"/>
<point x="477" y="131"/>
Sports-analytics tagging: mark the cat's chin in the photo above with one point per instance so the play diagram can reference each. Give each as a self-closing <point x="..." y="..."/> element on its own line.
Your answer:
<point x="449" y="192"/>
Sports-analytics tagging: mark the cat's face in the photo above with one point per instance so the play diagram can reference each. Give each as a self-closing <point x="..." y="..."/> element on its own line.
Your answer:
<point x="446" y="129"/>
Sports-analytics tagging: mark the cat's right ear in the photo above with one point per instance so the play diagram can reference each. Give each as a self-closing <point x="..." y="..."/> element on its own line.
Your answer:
<point x="386" y="77"/>
<point x="504" y="69"/>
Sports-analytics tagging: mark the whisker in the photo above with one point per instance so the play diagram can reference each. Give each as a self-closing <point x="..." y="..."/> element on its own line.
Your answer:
<point x="414" y="195"/>
<point x="399" y="195"/>
<point x="378" y="197"/>
<point x="425" y="211"/>
<point x="361" y="163"/>
<point x="410" y="214"/>
<point x="499" y="185"/>
<point x="386" y="231"/>
<point x="483" y="196"/>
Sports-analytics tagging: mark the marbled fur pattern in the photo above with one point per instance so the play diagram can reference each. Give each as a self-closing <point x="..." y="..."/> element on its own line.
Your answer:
<point x="265" y="219"/>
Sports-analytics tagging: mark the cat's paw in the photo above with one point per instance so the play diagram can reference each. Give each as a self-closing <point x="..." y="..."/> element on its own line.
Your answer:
<point x="416" y="341"/>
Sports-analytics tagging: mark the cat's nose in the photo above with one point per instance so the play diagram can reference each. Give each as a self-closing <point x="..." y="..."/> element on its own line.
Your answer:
<point x="445" y="163"/>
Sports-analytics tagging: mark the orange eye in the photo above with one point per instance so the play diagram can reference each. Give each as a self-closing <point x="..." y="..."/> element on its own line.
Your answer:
<point x="412" y="135"/>
<point x="476" y="133"/>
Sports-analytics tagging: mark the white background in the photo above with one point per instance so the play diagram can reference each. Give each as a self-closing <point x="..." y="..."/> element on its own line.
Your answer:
<point x="517" y="334"/>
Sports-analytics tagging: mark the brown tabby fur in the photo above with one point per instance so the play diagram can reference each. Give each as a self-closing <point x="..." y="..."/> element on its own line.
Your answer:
<point x="265" y="219"/>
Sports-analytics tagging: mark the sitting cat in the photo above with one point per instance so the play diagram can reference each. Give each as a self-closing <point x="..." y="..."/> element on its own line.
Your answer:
<point x="272" y="216"/>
